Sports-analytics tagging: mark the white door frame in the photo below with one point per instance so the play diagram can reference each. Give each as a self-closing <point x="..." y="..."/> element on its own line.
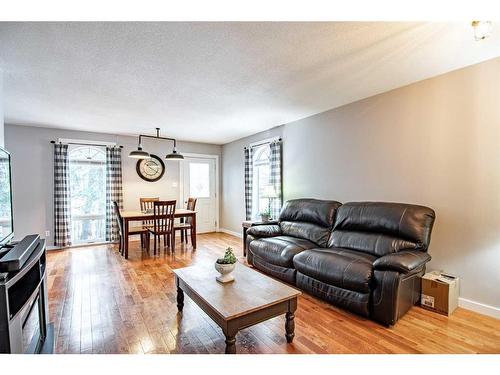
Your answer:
<point x="217" y="191"/>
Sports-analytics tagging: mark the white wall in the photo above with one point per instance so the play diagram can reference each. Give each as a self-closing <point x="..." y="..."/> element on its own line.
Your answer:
<point x="32" y="170"/>
<point x="436" y="143"/>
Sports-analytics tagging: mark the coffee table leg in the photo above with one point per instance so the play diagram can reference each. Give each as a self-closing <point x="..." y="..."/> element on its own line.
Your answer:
<point x="230" y="344"/>
<point x="290" y="326"/>
<point x="230" y="332"/>
<point x="290" y="320"/>
<point x="180" y="296"/>
<point x="180" y="299"/>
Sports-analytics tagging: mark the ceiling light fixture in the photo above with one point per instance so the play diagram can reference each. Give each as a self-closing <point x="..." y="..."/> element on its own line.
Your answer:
<point x="482" y="29"/>
<point x="140" y="154"/>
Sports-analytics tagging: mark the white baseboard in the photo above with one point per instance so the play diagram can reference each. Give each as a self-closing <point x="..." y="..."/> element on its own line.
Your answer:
<point x="233" y="233"/>
<point x="478" y="307"/>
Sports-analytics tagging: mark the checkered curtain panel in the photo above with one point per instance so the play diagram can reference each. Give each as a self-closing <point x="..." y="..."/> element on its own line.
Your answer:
<point x="114" y="191"/>
<point x="62" y="204"/>
<point x="248" y="183"/>
<point x="275" y="177"/>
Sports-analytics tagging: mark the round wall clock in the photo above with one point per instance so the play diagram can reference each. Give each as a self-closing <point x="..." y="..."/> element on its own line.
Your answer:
<point x="151" y="169"/>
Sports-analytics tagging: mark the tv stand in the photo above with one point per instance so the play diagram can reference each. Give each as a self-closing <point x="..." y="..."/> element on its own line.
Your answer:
<point x="4" y="249"/>
<point x="24" y="324"/>
<point x="17" y="254"/>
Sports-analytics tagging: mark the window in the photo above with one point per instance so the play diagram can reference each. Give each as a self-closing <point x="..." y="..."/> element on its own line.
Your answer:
<point x="261" y="172"/>
<point x="199" y="180"/>
<point x="87" y="176"/>
<point x="5" y="197"/>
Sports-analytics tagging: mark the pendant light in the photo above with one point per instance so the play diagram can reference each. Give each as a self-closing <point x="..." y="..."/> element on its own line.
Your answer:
<point x="174" y="155"/>
<point x="141" y="154"/>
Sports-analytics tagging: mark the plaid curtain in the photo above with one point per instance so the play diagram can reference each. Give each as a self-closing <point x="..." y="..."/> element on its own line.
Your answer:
<point x="114" y="192"/>
<point x="62" y="203"/>
<point x="248" y="183"/>
<point x="275" y="178"/>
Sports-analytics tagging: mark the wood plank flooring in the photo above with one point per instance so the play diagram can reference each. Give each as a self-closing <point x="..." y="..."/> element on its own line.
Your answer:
<point x="101" y="303"/>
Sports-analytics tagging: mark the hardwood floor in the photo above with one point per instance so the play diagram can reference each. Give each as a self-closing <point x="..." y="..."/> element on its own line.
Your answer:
<point x="102" y="303"/>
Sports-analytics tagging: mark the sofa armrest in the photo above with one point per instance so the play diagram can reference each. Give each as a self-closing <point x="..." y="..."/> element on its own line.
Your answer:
<point x="404" y="261"/>
<point x="265" y="230"/>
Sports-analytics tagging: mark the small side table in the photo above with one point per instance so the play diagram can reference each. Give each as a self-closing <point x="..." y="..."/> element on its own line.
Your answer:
<point x="249" y="223"/>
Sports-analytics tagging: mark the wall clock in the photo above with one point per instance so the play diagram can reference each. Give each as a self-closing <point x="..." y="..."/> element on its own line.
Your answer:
<point x="151" y="169"/>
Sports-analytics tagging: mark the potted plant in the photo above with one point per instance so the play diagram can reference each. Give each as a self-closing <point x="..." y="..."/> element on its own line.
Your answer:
<point x="265" y="215"/>
<point x="225" y="266"/>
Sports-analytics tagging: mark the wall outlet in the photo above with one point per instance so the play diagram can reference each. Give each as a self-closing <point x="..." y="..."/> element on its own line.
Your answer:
<point x="47" y="233"/>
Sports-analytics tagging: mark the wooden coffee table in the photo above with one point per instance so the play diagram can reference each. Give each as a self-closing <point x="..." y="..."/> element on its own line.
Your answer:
<point x="250" y="299"/>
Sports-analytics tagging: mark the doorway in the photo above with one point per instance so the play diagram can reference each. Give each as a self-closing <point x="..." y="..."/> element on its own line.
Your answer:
<point x="199" y="180"/>
<point x="87" y="181"/>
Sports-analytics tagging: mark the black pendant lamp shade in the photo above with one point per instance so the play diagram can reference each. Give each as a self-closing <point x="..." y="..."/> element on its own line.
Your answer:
<point x="140" y="154"/>
<point x="174" y="155"/>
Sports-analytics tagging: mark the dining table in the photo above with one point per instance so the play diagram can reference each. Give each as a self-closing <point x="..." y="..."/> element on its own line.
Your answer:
<point x="128" y="216"/>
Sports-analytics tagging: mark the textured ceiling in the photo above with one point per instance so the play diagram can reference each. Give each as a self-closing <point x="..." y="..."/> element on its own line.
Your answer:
<point x="215" y="82"/>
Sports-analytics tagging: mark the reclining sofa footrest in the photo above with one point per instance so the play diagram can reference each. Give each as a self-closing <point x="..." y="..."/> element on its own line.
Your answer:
<point x="283" y="273"/>
<point x="353" y="301"/>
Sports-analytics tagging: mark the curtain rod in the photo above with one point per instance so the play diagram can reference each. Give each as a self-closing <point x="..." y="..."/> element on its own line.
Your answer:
<point x="264" y="142"/>
<point x="82" y="144"/>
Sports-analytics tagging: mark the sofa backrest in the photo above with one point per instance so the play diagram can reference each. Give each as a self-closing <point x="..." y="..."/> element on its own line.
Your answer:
<point x="381" y="228"/>
<point x="311" y="219"/>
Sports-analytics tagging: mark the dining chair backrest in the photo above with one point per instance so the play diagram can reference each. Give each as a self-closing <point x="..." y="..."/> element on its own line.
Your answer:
<point x="118" y="217"/>
<point x="191" y="205"/>
<point x="163" y="217"/>
<point x="147" y="205"/>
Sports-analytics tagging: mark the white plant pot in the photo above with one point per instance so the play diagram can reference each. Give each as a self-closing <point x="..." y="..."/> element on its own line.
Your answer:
<point x="225" y="272"/>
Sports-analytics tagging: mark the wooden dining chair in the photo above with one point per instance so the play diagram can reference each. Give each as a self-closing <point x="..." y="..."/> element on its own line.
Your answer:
<point x="163" y="225"/>
<point x="147" y="205"/>
<point x="131" y="231"/>
<point x="183" y="227"/>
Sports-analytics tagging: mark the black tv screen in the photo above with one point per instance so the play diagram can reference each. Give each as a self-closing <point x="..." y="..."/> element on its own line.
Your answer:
<point x="6" y="219"/>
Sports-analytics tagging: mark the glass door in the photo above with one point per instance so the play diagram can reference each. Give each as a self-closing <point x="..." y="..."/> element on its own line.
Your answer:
<point x="87" y="175"/>
<point x="199" y="182"/>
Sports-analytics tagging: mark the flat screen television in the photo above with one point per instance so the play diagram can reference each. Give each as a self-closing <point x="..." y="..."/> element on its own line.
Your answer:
<point x="6" y="218"/>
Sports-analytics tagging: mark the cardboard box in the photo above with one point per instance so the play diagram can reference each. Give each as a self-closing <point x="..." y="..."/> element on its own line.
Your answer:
<point x="439" y="292"/>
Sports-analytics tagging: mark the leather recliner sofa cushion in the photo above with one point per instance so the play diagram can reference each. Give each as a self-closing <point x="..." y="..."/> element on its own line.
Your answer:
<point x="308" y="231"/>
<point x="381" y="228"/>
<point x="280" y="250"/>
<point x="343" y="268"/>
<point x="310" y="219"/>
<point x="316" y="211"/>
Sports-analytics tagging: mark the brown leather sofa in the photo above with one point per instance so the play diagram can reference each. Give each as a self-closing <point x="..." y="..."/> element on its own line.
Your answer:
<point x="366" y="257"/>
